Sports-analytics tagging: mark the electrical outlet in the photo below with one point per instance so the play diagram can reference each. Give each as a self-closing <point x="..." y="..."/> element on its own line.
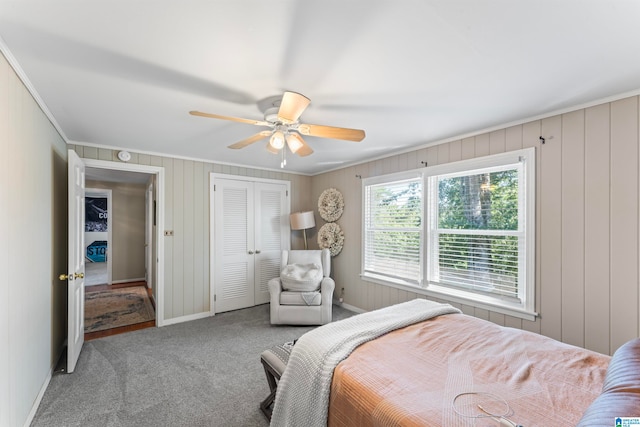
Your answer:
<point x="168" y="232"/>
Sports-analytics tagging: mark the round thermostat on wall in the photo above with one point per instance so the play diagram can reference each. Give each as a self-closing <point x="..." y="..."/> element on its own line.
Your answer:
<point x="125" y="156"/>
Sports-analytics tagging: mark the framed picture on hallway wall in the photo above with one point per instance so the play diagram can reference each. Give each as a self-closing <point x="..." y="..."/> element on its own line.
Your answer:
<point x="96" y="228"/>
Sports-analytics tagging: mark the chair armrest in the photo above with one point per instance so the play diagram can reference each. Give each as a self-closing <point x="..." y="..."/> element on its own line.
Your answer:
<point x="327" y="286"/>
<point x="275" y="287"/>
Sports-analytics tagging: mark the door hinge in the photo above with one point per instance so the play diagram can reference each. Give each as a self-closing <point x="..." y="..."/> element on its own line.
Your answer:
<point x="214" y="187"/>
<point x="287" y="191"/>
<point x="214" y="297"/>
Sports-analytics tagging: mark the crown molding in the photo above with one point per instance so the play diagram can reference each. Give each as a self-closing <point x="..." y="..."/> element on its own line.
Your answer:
<point x="176" y="156"/>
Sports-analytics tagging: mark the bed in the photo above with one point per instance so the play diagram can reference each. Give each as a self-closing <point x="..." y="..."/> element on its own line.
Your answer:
<point x="446" y="369"/>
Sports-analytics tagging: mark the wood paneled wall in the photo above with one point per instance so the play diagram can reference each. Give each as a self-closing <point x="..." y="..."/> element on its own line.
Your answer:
<point x="186" y="282"/>
<point x="587" y="222"/>
<point x="33" y="248"/>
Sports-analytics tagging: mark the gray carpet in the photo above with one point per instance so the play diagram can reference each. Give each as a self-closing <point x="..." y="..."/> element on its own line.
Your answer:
<point x="201" y="373"/>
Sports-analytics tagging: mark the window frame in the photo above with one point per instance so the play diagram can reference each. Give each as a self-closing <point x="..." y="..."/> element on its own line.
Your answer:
<point x="525" y="307"/>
<point x="390" y="179"/>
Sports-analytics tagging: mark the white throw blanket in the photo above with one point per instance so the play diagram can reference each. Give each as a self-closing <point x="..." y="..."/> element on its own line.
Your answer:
<point x="302" y="398"/>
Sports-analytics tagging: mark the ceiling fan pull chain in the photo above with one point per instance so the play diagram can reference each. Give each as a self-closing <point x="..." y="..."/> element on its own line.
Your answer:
<point x="283" y="163"/>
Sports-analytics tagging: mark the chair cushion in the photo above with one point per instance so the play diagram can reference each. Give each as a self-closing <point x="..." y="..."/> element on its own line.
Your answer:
<point x="301" y="277"/>
<point x="278" y="356"/>
<point x="300" y="298"/>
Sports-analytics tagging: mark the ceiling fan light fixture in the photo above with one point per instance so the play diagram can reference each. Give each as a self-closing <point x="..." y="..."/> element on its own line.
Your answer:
<point x="282" y="117"/>
<point x="294" y="141"/>
<point x="277" y="140"/>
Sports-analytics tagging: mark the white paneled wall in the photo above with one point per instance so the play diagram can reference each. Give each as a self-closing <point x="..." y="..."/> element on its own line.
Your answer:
<point x="33" y="218"/>
<point x="587" y="222"/>
<point x="186" y="287"/>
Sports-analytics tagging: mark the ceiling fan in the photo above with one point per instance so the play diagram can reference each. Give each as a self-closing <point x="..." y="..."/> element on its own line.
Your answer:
<point x="281" y="116"/>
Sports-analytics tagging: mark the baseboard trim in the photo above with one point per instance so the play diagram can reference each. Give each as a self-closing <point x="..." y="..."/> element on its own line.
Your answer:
<point x="187" y="318"/>
<point x="139" y="279"/>
<point x="351" y="307"/>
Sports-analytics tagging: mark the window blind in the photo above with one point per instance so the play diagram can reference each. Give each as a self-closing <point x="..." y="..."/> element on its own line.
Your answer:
<point x="476" y="236"/>
<point x="393" y="229"/>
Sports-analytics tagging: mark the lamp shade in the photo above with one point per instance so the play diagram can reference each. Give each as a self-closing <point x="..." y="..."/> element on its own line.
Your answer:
<point x="277" y="140"/>
<point x="294" y="141"/>
<point x="302" y="220"/>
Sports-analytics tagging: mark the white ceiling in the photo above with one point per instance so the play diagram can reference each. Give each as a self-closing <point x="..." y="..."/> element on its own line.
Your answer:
<point x="125" y="73"/>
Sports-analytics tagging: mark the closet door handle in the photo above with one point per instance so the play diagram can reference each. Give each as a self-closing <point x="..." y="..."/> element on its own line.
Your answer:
<point x="250" y="252"/>
<point x="257" y="251"/>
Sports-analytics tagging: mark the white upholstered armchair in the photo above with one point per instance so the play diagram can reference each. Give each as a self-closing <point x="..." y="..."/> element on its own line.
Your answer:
<point x="303" y="294"/>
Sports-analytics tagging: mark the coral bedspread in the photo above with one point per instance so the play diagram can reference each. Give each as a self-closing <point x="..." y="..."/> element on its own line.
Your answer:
<point x="410" y="377"/>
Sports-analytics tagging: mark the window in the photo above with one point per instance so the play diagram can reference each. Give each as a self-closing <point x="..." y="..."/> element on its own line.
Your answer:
<point x="393" y="229"/>
<point x="477" y="236"/>
<point x="479" y="239"/>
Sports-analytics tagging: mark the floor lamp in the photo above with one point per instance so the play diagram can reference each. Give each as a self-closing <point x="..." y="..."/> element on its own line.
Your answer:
<point x="302" y="221"/>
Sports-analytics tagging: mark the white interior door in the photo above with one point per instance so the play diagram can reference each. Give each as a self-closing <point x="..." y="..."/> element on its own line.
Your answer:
<point x="75" y="270"/>
<point x="271" y="235"/>
<point x="233" y="248"/>
<point x="148" y="235"/>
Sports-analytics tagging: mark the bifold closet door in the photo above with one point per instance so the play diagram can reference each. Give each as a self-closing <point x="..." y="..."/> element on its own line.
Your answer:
<point x="250" y="232"/>
<point x="271" y="235"/>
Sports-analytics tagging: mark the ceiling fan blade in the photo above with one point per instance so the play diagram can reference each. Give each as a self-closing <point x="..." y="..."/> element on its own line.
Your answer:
<point x="292" y="105"/>
<point x="233" y="119"/>
<point x="355" y="135"/>
<point x="255" y="138"/>
<point x="297" y="145"/>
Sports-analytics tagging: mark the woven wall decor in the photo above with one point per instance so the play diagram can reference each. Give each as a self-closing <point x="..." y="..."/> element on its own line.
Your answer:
<point x="331" y="205"/>
<point x="331" y="237"/>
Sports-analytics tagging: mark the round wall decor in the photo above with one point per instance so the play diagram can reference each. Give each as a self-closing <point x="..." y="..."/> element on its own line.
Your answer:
<point x="331" y="205"/>
<point x="330" y="236"/>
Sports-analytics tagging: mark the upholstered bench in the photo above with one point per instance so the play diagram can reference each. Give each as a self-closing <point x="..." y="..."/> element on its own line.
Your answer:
<point x="274" y="360"/>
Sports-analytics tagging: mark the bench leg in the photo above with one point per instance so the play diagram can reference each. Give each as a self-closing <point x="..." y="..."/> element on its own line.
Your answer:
<point x="265" y="405"/>
<point x="272" y="377"/>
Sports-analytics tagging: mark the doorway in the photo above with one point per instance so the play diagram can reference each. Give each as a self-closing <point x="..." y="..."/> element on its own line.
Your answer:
<point x="98" y="231"/>
<point x="120" y="303"/>
<point x="142" y="186"/>
<point x="74" y="276"/>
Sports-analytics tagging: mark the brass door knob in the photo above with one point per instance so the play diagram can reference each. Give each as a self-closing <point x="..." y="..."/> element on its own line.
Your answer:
<point x="78" y="275"/>
<point x="65" y="277"/>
